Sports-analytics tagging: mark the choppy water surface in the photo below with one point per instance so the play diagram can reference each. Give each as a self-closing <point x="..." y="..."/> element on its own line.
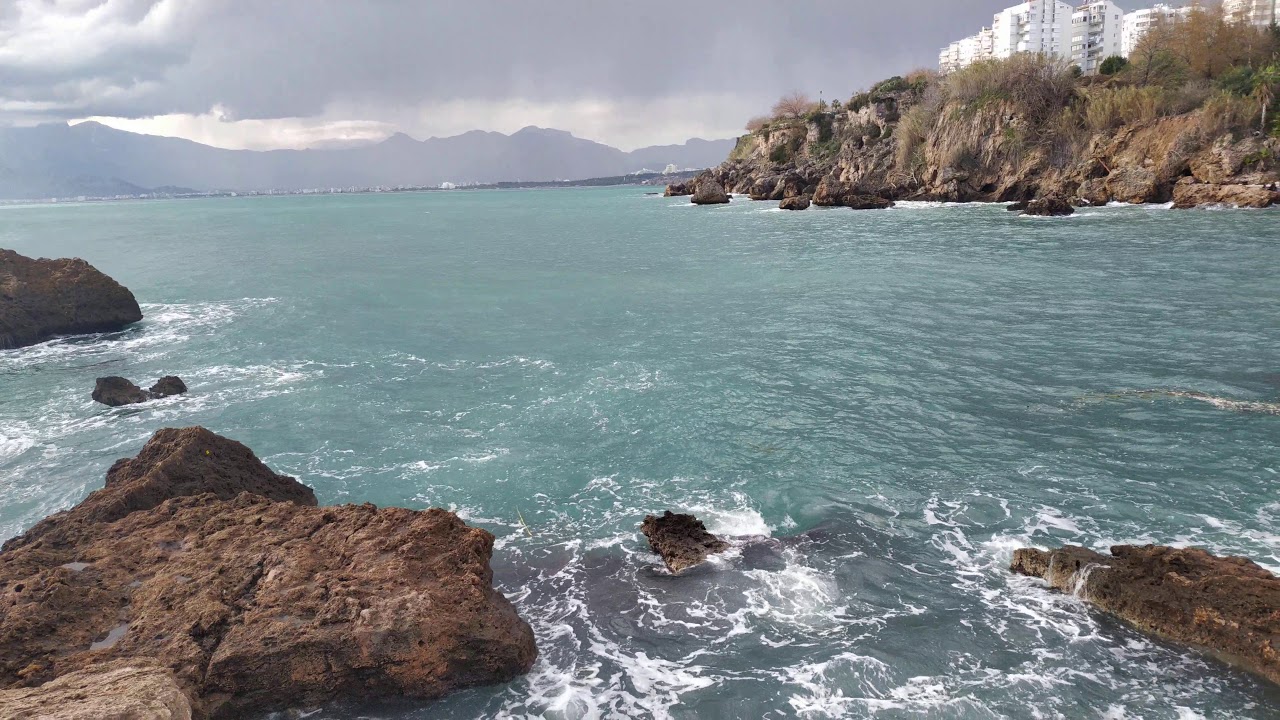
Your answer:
<point x="897" y="399"/>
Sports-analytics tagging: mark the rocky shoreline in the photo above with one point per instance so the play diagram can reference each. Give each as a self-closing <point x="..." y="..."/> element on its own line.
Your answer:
<point x="970" y="151"/>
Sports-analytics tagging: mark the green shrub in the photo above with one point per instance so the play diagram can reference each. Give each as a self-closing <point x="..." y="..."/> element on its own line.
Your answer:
<point x="897" y="83"/>
<point x="859" y="101"/>
<point x="1112" y="65"/>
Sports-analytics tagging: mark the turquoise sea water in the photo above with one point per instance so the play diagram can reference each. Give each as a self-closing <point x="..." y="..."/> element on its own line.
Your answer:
<point x="897" y="399"/>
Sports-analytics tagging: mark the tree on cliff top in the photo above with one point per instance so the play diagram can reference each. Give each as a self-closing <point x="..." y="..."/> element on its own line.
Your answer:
<point x="792" y="106"/>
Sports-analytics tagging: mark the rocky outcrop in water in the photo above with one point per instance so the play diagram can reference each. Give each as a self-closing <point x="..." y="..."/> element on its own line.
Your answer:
<point x="681" y="540"/>
<point x="199" y="558"/>
<point x="1051" y="206"/>
<point x="1226" y="605"/>
<point x="708" y="191"/>
<point x="801" y="202"/>
<point x="40" y="299"/>
<point x="116" y="391"/>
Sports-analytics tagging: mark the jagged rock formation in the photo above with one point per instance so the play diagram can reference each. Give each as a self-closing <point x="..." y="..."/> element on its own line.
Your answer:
<point x="1226" y="605"/>
<point x="116" y="391"/>
<point x="40" y="299"/>
<point x="198" y="557"/>
<point x="681" y="540"/>
<point x="988" y="152"/>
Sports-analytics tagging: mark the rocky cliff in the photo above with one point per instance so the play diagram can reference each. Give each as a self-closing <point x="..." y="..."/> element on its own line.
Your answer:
<point x="919" y="143"/>
<point x="197" y="570"/>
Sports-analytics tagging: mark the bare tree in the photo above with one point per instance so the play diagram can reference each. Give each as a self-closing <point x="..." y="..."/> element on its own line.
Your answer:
<point x="756" y="124"/>
<point x="793" y="105"/>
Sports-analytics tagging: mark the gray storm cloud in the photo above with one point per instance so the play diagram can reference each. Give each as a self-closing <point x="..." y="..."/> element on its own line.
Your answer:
<point x="386" y="60"/>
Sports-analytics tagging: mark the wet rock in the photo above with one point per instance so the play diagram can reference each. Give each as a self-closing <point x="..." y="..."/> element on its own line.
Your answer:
<point x="1017" y="206"/>
<point x="1052" y="205"/>
<point x="167" y="386"/>
<point x="117" y="391"/>
<point x="795" y="203"/>
<point x="1193" y="195"/>
<point x="709" y="191"/>
<point x="40" y="299"/>
<point x="679" y="189"/>
<point x="198" y="556"/>
<point x="831" y="192"/>
<point x="681" y="540"/>
<point x="1226" y="605"/>
<point x="119" y="690"/>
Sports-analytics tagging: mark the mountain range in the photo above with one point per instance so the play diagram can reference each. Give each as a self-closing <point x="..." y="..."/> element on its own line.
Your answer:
<point x="90" y="159"/>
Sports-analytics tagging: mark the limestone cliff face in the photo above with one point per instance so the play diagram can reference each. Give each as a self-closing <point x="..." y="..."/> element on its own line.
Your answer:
<point x="995" y="153"/>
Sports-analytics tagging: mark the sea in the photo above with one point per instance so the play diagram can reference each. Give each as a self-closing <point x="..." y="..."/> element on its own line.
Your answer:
<point x="876" y="407"/>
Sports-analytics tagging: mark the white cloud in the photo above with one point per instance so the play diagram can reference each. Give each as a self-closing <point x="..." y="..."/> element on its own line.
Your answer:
<point x="626" y="124"/>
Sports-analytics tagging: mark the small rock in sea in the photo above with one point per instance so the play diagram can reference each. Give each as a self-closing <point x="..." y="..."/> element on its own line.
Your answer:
<point x="1227" y="605"/>
<point x="42" y="298"/>
<point x="168" y="385"/>
<point x="1052" y="205"/>
<point x="116" y="391"/>
<point x="1017" y="206"/>
<point x="795" y="203"/>
<point x="681" y="540"/>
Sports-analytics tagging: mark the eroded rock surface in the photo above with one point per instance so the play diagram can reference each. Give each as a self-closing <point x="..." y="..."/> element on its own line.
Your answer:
<point x="167" y="386"/>
<point x="708" y="191"/>
<point x="681" y="540"/>
<point x="1226" y="605"/>
<point x="1193" y="195"/>
<point x="199" y="557"/>
<point x="795" y="203"/>
<point x="119" y="690"/>
<point x="42" y="298"/>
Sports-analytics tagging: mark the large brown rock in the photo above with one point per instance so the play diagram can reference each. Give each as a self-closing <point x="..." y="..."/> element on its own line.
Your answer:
<point x="1226" y="605"/>
<point x="709" y="191"/>
<point x="681" y="540"/>
<point x="1193" y="195"/>
<point x="40" y="299"/>
<point x="1134" y="185"/>
<point x="118" y="690"/>
<point x="200" y="558"/>
<point x="795" y="203"/>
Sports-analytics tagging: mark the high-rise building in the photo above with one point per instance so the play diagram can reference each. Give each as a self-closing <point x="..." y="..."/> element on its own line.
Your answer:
<point x="1256" y="12"/>
<point x="1039" y="26"/>
<point x="1096" y="34"/>
<point x="1139" y="22"/>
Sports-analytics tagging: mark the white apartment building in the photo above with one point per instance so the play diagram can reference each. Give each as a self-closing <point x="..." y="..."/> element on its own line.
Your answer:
<point x="1096" y="34"/>
<point x="1139" y="22"/>
<point x="1039" y="26"/>
<point x="968" y="51"/>
<point x="1257" y="12"/>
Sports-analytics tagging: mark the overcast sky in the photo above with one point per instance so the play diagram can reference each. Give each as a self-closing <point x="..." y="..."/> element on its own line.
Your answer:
<point x="297" y="73"/>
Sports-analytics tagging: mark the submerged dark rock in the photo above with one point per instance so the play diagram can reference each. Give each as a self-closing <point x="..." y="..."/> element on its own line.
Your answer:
<point x="681" y="540"/>
<point x="1228" y="606"/>
<point x="1052" y="205"/>
<point x="199" y="559"/>
<point x="40" y="299"/>
<point x="168" y="385"/>
<point x="117" y="391"/>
